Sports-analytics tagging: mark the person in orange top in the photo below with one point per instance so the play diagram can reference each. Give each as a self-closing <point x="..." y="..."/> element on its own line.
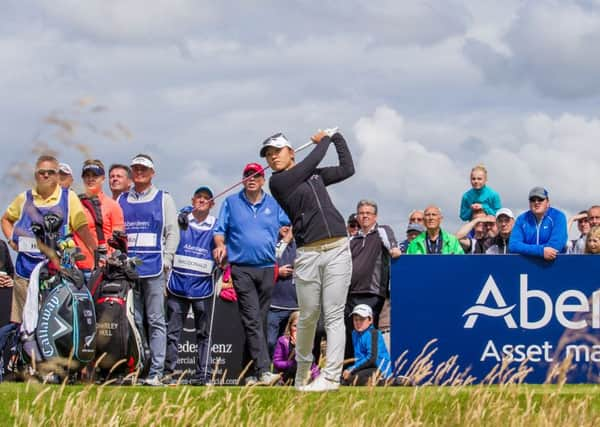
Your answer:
<point x="94" y="200"/>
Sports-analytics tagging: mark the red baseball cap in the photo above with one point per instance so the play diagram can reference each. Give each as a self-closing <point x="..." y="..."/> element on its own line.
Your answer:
<point x="254" y="167"/>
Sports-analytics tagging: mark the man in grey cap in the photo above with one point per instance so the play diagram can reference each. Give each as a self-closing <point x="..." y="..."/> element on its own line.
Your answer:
<point x="412" y="230"/>
<point x="541" y="231"/>
<point x="153" y="236"/>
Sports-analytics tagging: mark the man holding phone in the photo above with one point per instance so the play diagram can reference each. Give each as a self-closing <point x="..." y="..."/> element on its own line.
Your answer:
<point x="283" y="299"/>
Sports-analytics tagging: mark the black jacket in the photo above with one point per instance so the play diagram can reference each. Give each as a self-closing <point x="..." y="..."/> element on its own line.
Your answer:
<point x="371" y="261"/>
<point x="301" y="192"/>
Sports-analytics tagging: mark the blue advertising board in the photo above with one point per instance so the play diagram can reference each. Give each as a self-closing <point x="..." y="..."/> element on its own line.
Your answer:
<point x="484" y="309"/>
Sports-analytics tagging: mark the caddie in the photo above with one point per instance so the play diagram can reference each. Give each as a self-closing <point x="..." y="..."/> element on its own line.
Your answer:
<point x="190" y="284"/>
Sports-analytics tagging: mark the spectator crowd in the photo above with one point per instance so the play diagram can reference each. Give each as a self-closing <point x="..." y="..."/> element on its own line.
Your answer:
<point x="261" y="242"/>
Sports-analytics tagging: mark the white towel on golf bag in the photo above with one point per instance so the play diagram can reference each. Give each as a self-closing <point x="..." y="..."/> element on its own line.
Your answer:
<point x="31" y="308"/>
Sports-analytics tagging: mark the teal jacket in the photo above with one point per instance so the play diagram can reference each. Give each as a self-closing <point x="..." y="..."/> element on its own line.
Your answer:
<point x="488" y="198"/>
<point x="450" y="245"/>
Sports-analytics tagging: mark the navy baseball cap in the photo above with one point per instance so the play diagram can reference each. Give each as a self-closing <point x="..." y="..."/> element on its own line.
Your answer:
<point x="204" y="189"/>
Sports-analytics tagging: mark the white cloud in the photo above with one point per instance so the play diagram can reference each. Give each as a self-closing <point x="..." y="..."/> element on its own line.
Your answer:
<point x="403" y="170"/>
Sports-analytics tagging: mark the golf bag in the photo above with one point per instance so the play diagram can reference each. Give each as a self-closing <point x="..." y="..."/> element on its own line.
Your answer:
<point x="59" y="321"/>
<point x="118" y="344"/>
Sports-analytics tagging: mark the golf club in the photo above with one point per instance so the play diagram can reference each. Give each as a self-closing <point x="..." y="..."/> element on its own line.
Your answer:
<point x="210" y="327"/>
<point x="329" y="132"/>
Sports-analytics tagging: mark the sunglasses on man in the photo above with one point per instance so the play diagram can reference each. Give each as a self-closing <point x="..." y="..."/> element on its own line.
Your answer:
<point x="254" y="174"/>
<point x="49" y="172"/>
<point x="536" y="200"/>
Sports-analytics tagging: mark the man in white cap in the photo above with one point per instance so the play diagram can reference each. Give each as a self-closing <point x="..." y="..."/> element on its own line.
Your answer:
<point x="541" y="231"/>
<point x="65" y="175"/>
<point x="153" y="235"/>
<point x="505" y="220"/>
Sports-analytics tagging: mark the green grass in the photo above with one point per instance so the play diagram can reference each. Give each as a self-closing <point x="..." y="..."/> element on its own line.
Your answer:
<point x="36" y="404"/>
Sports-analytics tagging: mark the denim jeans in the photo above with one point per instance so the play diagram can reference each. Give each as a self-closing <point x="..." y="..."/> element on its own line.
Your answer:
<point x="149" y="305"/>
<point x="276" y="322"/>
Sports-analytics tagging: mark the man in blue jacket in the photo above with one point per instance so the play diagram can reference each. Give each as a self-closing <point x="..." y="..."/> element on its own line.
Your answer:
<point x="541" y="231"/>
<point x="246" y="234"/>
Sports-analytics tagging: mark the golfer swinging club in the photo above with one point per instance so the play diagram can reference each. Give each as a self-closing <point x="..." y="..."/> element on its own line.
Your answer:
<point x="323" y="263"/>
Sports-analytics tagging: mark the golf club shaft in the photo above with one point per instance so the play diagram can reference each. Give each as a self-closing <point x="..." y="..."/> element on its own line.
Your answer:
<point x="210" y="328"/>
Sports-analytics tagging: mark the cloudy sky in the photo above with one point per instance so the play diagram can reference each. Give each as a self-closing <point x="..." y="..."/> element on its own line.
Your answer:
<point x="422" y="91"/>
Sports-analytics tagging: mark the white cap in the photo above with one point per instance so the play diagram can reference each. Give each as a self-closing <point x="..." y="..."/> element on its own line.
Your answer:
<point x="278" y="141"/>
<point x="143" y="161"/>
<point x="363" y="310"/>
<point x="505" y="211"/>
<point x="65" y="168"/>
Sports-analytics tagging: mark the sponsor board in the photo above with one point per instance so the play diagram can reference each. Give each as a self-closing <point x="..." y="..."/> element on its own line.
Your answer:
<point x="226" y="347"/>
<point x="488" y="308"/>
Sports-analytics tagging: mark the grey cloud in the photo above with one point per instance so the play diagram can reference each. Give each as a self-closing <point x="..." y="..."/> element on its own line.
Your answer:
<point x="552" y="47"/>
<point x="159" y="21"/>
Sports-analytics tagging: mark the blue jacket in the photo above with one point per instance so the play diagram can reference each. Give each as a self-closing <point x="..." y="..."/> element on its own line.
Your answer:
<point x="529" y="238"/>
<point x="370" y="352"/>
<point x="250" y="231"/>
<point x="488" y="198"/>
<point x="284" y="296"/>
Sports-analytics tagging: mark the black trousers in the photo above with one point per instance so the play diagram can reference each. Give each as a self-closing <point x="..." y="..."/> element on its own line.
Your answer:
<point x="253" y="287"/>
<point x="177" y="311"/>
<point x="374" y="301"/>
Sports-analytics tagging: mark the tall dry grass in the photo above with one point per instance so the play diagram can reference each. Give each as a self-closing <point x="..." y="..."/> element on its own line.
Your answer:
<point x="445" y="396"/>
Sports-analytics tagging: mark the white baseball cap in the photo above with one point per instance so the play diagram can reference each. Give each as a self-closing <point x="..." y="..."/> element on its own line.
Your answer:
<point x="505" y="211"/>
<point x="142" y="160"/>
<point x="363" y="310"/>
<point x="65" y="168"/>
<point x="278" y="141"/>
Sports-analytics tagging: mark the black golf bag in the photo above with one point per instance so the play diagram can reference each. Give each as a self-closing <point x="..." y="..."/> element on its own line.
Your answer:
<point x="67" y="320"/>
<point x="59" y="322"/>
<point x="118" y="344"/>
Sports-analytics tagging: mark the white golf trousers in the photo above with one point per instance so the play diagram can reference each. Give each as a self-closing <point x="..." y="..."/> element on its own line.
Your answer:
<point x="322" y="279"/>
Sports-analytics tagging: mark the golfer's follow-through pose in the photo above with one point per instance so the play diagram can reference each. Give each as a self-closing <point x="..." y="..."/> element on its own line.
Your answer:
<point x="323" y="265"/>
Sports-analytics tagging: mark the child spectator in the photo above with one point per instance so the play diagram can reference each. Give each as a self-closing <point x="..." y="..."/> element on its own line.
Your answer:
<point x="592" y="243"/>
<point x="372" y="364"/>
<point x="480" y="197"/>
<point x="284" y="356"/>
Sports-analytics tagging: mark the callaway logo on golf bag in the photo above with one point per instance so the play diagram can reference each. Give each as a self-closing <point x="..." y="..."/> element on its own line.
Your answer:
<point x="119" y="344"/>
<point x="58" y="318"/>
<point x="67" y="322"/>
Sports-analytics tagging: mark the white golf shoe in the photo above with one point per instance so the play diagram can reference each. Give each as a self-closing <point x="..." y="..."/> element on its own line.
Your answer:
<point x="320" y="384"/>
